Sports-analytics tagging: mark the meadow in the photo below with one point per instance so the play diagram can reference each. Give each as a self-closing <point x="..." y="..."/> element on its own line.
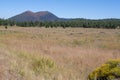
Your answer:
<point x="33" y="53"/>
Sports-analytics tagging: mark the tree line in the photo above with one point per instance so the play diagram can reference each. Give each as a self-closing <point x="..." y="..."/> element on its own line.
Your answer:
<point x="85" y="23"/>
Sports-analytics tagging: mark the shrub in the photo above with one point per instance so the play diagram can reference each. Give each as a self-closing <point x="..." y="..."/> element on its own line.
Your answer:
<point x="43" y="65"/>
<point x="108" y="71"/>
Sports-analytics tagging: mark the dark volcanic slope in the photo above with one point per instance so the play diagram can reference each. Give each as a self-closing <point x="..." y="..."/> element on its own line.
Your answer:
<point x="46" y="16"/>
<point x="31" y="16"/>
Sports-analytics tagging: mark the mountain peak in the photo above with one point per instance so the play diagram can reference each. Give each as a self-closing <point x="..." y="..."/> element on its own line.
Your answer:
<point x="28" y="11"/>
<point x="31" y="16"/>
<point x="43" y="11"/>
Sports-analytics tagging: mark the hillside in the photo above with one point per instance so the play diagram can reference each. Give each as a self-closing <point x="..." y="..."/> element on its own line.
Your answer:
<point x="28" y="16"/>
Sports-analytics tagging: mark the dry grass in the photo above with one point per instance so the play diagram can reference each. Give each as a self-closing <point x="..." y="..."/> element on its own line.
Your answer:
<point x="59" y="54"/>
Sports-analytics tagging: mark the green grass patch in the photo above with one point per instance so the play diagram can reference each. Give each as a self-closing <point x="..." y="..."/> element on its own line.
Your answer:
<point x="43" y="65"/>
<point x="38" y="64"/>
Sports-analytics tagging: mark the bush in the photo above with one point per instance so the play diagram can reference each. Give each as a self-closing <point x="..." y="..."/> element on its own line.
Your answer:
<point x="43" y="65"/>
<point x="108" y="71"/>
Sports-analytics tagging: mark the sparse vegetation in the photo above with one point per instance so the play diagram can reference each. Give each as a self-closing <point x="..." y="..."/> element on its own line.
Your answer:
<point x="55" y="54"/>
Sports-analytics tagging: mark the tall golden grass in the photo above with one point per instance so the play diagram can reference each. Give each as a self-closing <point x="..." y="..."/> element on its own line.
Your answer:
<point x="55" y="53"/>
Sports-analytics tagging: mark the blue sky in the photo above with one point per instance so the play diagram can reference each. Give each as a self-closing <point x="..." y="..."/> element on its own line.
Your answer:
<point x="90" y="9"/>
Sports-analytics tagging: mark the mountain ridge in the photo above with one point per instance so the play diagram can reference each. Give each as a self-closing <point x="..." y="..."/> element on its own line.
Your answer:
<point x="34" y="16"/>
<point x="29" y="16"/>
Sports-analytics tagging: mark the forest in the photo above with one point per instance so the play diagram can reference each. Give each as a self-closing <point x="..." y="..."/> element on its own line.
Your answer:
<point x="85" y="23"/>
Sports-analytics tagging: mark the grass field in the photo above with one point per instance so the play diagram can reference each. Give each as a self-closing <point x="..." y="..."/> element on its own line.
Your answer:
<point x="55" y="53"/>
